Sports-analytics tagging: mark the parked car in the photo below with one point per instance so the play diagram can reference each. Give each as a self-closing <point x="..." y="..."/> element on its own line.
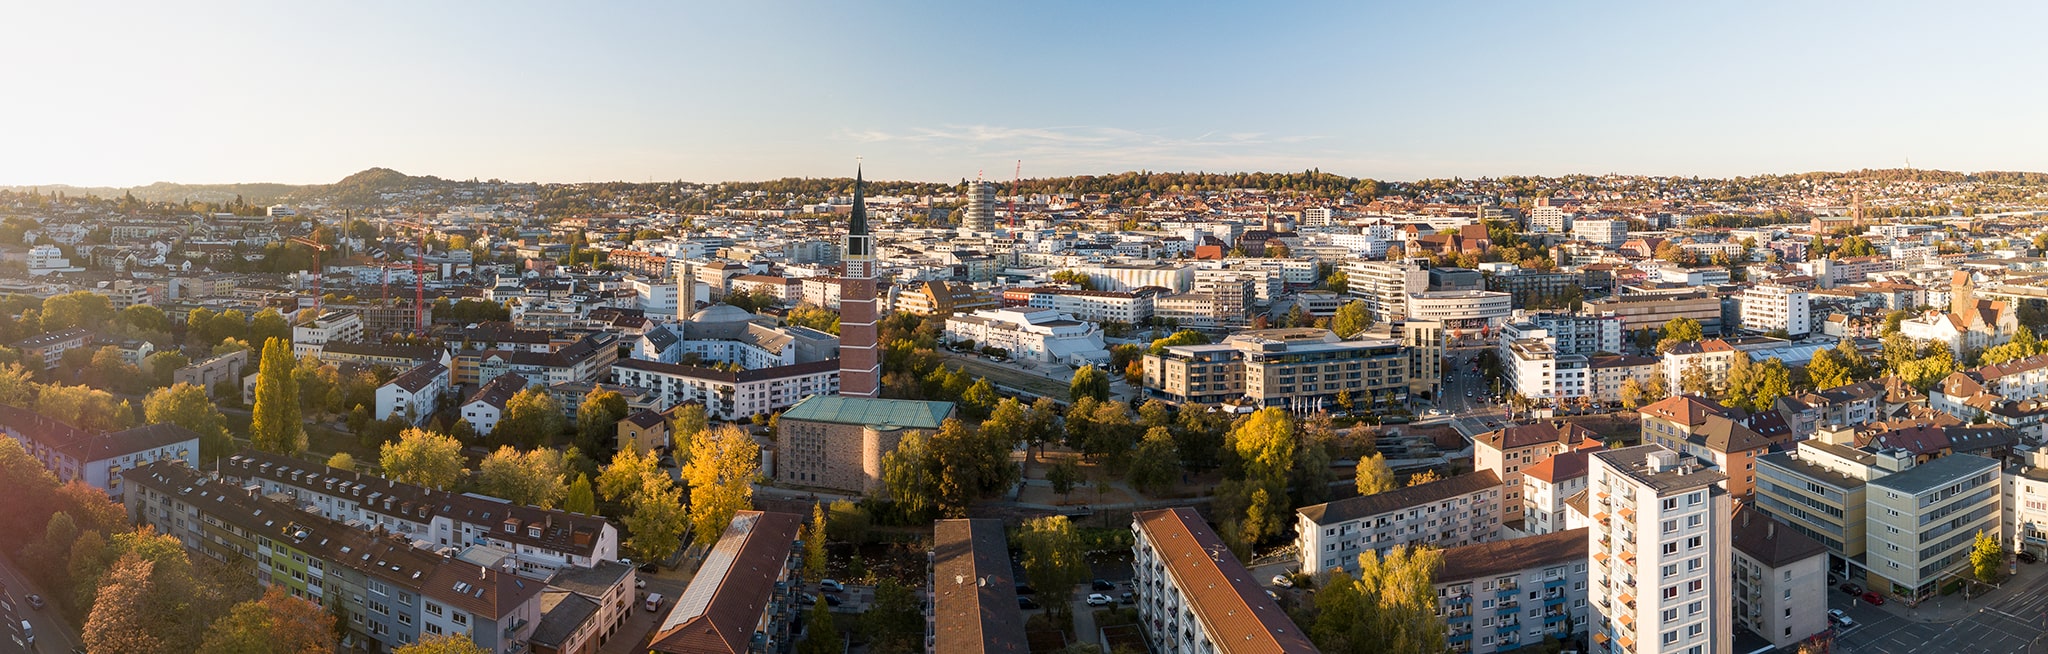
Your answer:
<point x="1099" y="599"/>
<point x="831" y="586"/>
<point x="1841" y="619"/>
<point x="1103" y="584"/>
<point x="35" y="602"/>
<point x="1026" y="589"/>
<point x="1282" y="581"/>
<point x="654" y="602"/>
<point x="1873" y="598"/>
<point x="831" y="600"/>
<point x="1127" y="598"/>
<point x="649" y="568"/>
<point x="2028" y="557"/>
<point x="1851" y="589"/>
<point x="1026" y="603"/>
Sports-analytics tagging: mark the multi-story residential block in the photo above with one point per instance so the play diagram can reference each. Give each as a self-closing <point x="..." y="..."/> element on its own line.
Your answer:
<point x="725" y="394"/>
<point x="1461" y="510"/>
<point x="746" y="595"/>
<point x="1386" y="285"/>
<point x="1129" y="308"/>
<point x="210" y="372"/>
<point x="1528" y="287"/>
<point x="974" y="591"/>
<point x="1610" y="374"/>
<point x="1607" y="233"/>
<point x="486" y="407"/>
<point x="538" y="542"/>
<point x="583" y="608"/>
<point x="1547" y="488"/>
<point x="643" y="431"/>
<point x="1853" y="404"/>
<point x="1301" y="368"/>
<point x="330" y="327"/>
<point x="1541" y="373"/>
<point x="938" y="298"/>
<point x="1549" y="218"/>
<point x="47" y="350"/>
<point x="1567" y="333"/>
<point x="1781" y="580"/>
<point x="1425" y="341"/>
<point x="1042" y="335"/>
<point x="1508" y="451"/>
<point x="2026" y="502"/>
<point x="391" y="593"/>
<point x="101" y="459"/>
<point x="2013" y="394"/>
<point x="1704" y="430"/>
<point x="1640" y="311"/>
<point x="1661" y="556"/>
<point x="1774" y="307"/>
<point x="588" y="359"/>
<point x="1502" y="595"/>
<point x="414" y="395"/>
<point x="371" y="355"/>
<point x="1194" y="597"/>
<point x="1923" y="520"/>
<point x="1707" y="362"/>
<point x="833" y="442"/>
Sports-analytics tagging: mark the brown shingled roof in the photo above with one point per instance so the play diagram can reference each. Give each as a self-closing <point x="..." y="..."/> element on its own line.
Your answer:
<point x="1232" y="606"/>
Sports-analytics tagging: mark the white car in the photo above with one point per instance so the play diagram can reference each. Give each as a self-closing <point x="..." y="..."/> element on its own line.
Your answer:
<point x="1282" y="581"/>
<point x="1841" y="618"/>
<point x="1099" y="599"/>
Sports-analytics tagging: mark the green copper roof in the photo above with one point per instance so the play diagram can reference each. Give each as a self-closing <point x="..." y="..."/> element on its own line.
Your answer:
<point x="908" y="414"/>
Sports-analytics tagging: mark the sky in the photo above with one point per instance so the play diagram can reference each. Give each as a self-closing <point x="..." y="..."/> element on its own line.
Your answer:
<point x="120" y="94"/>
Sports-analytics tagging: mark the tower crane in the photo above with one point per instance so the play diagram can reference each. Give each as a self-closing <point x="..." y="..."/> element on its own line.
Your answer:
<point x="319" y="272"/>
<point x="419" y="276"/>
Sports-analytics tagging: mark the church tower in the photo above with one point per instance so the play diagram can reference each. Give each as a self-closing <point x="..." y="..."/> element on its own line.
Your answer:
<point x="860" y="361"/>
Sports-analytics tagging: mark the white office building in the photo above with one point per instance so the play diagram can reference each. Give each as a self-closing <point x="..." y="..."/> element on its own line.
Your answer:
<point x="1035" y="334"/>
<point x="1769" y="307"/>
<point x="1608" y="233"/>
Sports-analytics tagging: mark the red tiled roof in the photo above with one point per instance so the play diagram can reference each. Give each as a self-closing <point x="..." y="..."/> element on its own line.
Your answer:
<point x="1221" y="592"/>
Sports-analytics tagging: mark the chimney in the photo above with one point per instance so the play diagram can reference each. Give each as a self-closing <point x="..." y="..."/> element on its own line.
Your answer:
<point x="1771" y="530"/>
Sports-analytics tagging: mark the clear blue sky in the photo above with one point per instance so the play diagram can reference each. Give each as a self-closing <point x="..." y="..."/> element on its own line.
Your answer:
<point x="305" y="92"/>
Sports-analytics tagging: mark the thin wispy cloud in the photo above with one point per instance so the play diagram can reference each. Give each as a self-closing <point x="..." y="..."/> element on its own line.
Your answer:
<point x="1097" y="147"/>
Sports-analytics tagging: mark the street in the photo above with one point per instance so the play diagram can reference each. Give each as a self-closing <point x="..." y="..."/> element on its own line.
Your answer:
<point x="1472" y="415"/>
<point x="52" y="633"/>
<point x="2005" y="626"/>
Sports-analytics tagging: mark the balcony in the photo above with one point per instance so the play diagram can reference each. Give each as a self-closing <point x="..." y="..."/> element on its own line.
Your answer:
<point x="1508" y="606"/>
<point x="1550" y="584"/>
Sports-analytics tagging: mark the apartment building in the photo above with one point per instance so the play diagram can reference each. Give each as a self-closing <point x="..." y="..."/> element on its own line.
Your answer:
<point x="1095" y="306"/>
<point x="1820" y="489"/>
<point x="838" y="443"/>
<point x="1461" y="309"/>
<point x="1610" y="374"/>
<point x="1508" y="451"/>
<point x="486" y="406"/>
<point x="1641" y="311"/>
<point x="1567" y="333"/>
<point x="1502" y="595"/>
<point x="1539" y="372"/>
<point x="47" y="350"/>
<point x="1710" y="360"/>
<point x="1461" y="510"/>
<point x="2026" y="502"/>
<point x="1774" y="307"/>
<point x="1704" y="430"/>
<point x="210" y="372"/>
<point x="1297" y="368"/>
<point x="330" y="327"/>
<point x="1386" y="285"/>
<point x="1547" y="489"/>
<point x="1606" y="233"/>
<point x="1781" y="580"/>
<point x="1660" y="554"/>
<point x="726" y="394"/>
<point x="414" y="395"/>
<point x="539" y="542"/>
<point x="746" y="595"/>
<point x="974" y="590"/>
<point x="1852" y="404"/>
<point x="938" y="298"/>
<point x="1425" y="341"/>
<point x="2013" y="394"/>
<point x="100" y="460"/>
<point x="390" y="593"/>
<point x="588" y="359"/>
<point x="1194" y="597"/>
<point x="1924" y="519"/>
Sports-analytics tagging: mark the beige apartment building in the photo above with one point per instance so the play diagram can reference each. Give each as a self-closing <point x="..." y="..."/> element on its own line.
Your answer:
<point x="1301" y="369"/>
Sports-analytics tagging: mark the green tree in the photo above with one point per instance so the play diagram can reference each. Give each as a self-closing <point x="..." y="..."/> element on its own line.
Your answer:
<point x="1389" y="607"/>
<point x="1680" y="330"/>
<point x="1182" y="337"/>
<point x="597" y="419"/>
<point x="1089" y="382"/>
<point x="162" y="367"/>
<point x="278" y="624"/>
<point x="821" y="635"/>
<point x="1053" y="559"/>
<point x="75" y="309"/>
<point x="968" y="464"/>
<point x="720" y="476"/>
<point x="268" y="324"/>
<point x="689" y="421"/>
<point x="1157" y="464"/>
<point x="848" y="522"/>
<point x="537" y="477"/>
<point x="1352" y="319"/>
<point x="275" y="425"/>
<point x="188" y="406"/>
<point x="979" y="400"/>
<point x="1756" y="387"/>
<point x="342" y="461"/>
<point x="1827" y="370"/>
<point x="423" y="458"/>
<point x="532" y="418"/>
<point x="1337" y="282"/>
<point x="145" y="318"/>
<point x="895" y="621"/>
<point x="1374" y="476"/>
<point x="580" y="498"/>
<point x="1987" y="557"/>
<point x="1892" y="321"/>
<point x="909" y="476"/>
<point x="1265" y="442"/>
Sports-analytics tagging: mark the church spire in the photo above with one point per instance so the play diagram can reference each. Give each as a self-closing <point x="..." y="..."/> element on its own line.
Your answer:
<point x="859" y="224"/>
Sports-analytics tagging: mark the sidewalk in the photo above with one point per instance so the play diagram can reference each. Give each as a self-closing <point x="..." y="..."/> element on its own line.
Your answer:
<point x="1943" y="609"/>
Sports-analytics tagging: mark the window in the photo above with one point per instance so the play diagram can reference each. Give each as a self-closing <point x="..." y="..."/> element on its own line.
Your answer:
<point x="1671" y="570"/>
<point x="1694" y="520"/>
<point x="1694" y="586"/>
<point x="1693" y="543"/>
<point x="1695" y="629"/>
<point x="1670" y="526"/>
<point x="1671" y="547"/>
<point x="1670" y="614"/>
<point x="1670" y="637"/>
<point x="1695" y="608"/>
<point x="1670" y="592"/>
<point x="1693" y="564"/>
<point x="461" y="618"/>
<point x="1670" y="503"/>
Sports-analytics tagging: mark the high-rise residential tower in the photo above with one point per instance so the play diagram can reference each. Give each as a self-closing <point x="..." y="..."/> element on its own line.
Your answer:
<point x="981" y="206"/>
<point x="860" y="360"/>
<point x="1660" y="554"/>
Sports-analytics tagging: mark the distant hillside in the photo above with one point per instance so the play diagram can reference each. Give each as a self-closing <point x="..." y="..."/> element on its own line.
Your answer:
<point x="259" y="193"/>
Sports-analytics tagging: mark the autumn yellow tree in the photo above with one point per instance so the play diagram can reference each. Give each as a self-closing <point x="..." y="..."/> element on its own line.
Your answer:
<point x="720" y="476"/>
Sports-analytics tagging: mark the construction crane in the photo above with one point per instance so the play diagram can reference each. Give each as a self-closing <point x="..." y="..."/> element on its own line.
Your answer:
<point x="1013" y="193"/>
<point x="419" y="275"/>
<point x="318" y="272"/>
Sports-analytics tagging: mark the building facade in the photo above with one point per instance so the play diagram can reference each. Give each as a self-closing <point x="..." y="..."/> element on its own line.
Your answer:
<point x="1461" y="510"/>
<point x="1194" y="597"/>
<point x="838" y="443"/>
<point x="1502" y="595"/>
<point x="1660" y="554"/>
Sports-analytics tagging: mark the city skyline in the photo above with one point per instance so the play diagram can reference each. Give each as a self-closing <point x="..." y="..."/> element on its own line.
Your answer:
<point x="250" y="93"/>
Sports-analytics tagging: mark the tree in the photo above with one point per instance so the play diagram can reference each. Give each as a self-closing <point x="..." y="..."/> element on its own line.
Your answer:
<point x="1089" y="382"/>
<point x="423" y="458"/>
<point x="145" y="318"/>
<point x="121" y="619"/>
<point x="1827" y="370"/>
<point x="821" y="636"/>
<point x="275" y="425"/>
<point x="188" y="406"/>
<point x="532" y="418"/>
<point x="537" y="477"/>
<point x="278" y="623"/>
<point x="162" y="367"/>
<point x="814" y="543"/>
<point x="442" y="644"/>
<point x="1265" y="442"/>
<point x="76" y="309"/>
<point x="17" y="385"/>
<point x="1987" y="557"/>
<point x="1757" y="386"/>
<point x="1351" y="319"/>
<point x="1631" y="393"/>
<point x="1680" y="330"/>
<point x="1693" y="380"/>
<point x="1374" y="476"/>
<point x="1157" y="464"/>
<point x="268" y="324"/>
<point x="597" y="419"/>
<point x="1052" y="558"/>
<point x="1892" y="321"/>
<point x="85" y="407"/>
<point x="1424" y="477"/>
<point x="1389" y="607"/>
<point x="689" y="421"/>
<point x="847" y="522"/>
<point x="720" y="476"/>
<point x="1063" y="476"/>
<point x="908" y="475"/>
<point x="1182" y="337"/>
<point x="579" y="498"/>
<point x="894" y="623"/>
<point x="1338" y="282"/>
<point x="343" y="461"/>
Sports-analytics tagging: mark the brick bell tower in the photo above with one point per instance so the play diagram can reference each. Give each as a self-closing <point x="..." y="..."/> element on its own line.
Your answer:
<point x="860" y="356"/>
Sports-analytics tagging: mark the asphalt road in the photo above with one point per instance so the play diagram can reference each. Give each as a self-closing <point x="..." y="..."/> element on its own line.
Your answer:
<point x="53" y="634"/>
<point x="1470" y="415"/>
<point x="2007" y="626"/>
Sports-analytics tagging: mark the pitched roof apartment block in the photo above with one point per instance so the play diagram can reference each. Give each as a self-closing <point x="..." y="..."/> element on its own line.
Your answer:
<point x="1194" y="595"/>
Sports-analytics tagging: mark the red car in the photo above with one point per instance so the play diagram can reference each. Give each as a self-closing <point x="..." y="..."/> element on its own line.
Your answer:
<point x="1873" y="598"/>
